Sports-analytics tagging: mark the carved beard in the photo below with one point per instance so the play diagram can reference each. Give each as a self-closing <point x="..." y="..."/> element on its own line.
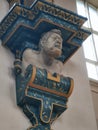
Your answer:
<point x="53" y="52"/>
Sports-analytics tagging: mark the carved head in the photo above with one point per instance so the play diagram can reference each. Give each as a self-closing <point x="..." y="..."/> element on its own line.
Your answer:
<point x="51" y="43"/>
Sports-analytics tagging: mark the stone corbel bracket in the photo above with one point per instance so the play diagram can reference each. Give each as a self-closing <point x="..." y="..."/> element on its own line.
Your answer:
<point x="42" y="96"/>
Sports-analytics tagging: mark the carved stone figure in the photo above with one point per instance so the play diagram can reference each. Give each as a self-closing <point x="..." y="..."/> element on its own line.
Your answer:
<point x="41" y="91"/>
<point x="50" y="46"/>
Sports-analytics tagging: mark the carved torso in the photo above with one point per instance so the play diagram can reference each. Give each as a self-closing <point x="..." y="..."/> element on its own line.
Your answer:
<point x="34" y="58"/>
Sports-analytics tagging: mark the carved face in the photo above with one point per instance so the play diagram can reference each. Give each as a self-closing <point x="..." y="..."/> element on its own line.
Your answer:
<point x="53" y="46"/>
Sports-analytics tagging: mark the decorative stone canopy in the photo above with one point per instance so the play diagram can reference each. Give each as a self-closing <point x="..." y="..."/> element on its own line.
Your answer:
<point x="23" y="27"/>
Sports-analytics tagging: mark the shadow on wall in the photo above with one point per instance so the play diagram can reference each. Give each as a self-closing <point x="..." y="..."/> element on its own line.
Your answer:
<point x="6" y="76"/>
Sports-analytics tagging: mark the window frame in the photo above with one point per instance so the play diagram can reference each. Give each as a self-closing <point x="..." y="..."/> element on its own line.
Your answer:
<point x="89" y="28"/>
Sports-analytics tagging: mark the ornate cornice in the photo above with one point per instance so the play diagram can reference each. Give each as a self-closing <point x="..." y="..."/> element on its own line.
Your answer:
<point x="37" y="19"/>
